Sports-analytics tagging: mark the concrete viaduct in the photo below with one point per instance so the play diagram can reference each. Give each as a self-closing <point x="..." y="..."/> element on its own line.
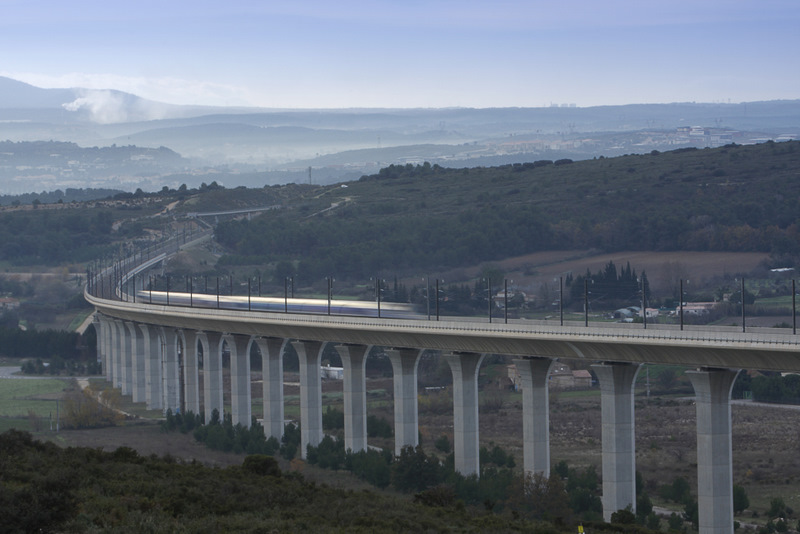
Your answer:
<point x="151" y="352"/>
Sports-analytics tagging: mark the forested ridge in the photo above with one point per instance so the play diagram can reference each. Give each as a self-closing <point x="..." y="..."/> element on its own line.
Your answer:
<point x="420" y="218"/>
<point x="423" y="217"/>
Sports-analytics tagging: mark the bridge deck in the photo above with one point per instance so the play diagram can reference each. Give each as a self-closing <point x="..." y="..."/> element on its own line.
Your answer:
<point x="695" y="346"/>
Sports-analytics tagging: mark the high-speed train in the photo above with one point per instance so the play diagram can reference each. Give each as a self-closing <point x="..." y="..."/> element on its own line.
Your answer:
<point x="279" y="305"/>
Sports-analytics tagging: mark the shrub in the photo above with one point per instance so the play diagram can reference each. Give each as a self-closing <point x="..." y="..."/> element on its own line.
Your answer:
<point x="414" y="470"/>
<point x="624" y="517"/>
<point x="441" y="495"/>
<point x="740" y="500"/>
<point x="442" y="444"/>
<point x="261" y="464"/>
<point x="777" y="508"/>
<point x="332" y="419"/>
<point x="378" y="427"/>
<point x="370" y="465"/>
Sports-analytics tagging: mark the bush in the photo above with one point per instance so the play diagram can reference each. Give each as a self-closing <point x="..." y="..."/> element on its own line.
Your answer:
<point x="82" y="410"/>
<point x="441" y="495"/>
<point x="371" y="465"/>
<point x="442" y="444"/>
<point x="777" y="508"/>
<point x="496" y="456"/>
<point x="224" y="436"/>
<point x="624" y="517"/>
<point x="675" y="522"/>
<point x="677" y="492"/>
<point x="290" y="441"/>
<point x="332" y="419"/>
<point x="329" y="454"/>
<point x="378" y="427"/>
<point x="261" y="464"/>
<point x="740" y="500"/>
<point x="414" y="470"/>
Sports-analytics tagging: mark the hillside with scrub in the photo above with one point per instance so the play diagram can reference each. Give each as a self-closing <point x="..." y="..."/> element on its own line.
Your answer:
<point x="718" y="213"/>
<point x="427" y="218"/>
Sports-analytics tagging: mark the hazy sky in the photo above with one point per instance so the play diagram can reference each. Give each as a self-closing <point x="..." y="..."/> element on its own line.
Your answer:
<point x="408" y="53"/>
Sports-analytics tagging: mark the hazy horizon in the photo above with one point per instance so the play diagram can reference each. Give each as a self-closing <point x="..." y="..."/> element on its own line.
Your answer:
<point x="386" y="54"/>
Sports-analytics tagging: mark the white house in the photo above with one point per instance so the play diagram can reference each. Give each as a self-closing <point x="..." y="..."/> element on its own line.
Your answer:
<point x="332" y="373"/>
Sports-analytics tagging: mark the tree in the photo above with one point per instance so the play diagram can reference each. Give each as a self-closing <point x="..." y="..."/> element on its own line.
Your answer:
<point x="691" y="511"/>
<point x="261" y="464"/>
<point x="740" y="500"/>
<point x="667" y="378"/>
<point x="644" y="507"/>
<point x="675" y="522"/>
<point x="537" y="497"/>
<point x="624" y="517"/>
<point x="413" y="470"/>
<point x="777" y="508"/>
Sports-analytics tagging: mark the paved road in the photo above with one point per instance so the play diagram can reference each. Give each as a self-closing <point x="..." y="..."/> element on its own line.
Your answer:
<point x="742" y="402"/>
<point x="10" y="372"/>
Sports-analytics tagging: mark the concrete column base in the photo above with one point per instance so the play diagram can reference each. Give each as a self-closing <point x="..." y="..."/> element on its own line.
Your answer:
<point x="354" y="359"/>
<point x="117" y="349"/>
<point x="241" y="399"/>
<point x="151" y="347"/>
<point x="272" y="371"/>
<point x="137" y="363"/>
<point x="102" y="329"/>
<point x="213" y="399"/>
<point x="534" y="373"/>
<point x="619" y="439"/>
<point x="406" y="416"/>
<point x="712" y="388"/>
<point x="466" y="443"/>
<point x="309" y="353"/>
<point x="171" y="374"/>
<point x="126" y="358"/>
<point x="191" y="378"/>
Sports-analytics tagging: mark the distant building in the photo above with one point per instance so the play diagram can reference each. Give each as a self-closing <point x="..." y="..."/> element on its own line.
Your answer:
<point x="697" y="309"/>
<point x="635" y="311"/>
<point x="332" y="373"/>
<point x="582" y="378"/>
<point x="628" y="313"/>
<point x="561" y="377"/>
<point x="499" y="299"/>
<point x="651" y="313"/>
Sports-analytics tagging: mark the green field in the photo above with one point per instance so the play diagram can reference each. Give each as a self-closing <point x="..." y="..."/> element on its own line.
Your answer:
<point x="7" y="423"/>
<point x="20" y="397"/>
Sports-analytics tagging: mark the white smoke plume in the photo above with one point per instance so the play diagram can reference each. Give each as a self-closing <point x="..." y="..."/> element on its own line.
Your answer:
<point x="103" y="107"/>
<point x="111" y="107"/>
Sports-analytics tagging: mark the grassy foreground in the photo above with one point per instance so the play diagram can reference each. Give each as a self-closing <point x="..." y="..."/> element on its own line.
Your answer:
<point x="23" y="397"/>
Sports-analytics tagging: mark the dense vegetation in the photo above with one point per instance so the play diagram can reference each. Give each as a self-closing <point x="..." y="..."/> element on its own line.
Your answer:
<point x="734" y="198"/>
<point x="49" y="489"/>
<point x="768" y="387"/>
<point x="16" y="343"/>
<point x="52" y="237"/>
<point x="58" y="196"/>
<point x="569" y="495"/>
<point x="616" y="288"/>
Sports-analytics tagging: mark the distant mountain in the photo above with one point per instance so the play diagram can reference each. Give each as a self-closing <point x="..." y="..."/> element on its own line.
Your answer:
<point x="15" y="95"/>
<point x="343" y="142"/>
<point x="105" y="106"/>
